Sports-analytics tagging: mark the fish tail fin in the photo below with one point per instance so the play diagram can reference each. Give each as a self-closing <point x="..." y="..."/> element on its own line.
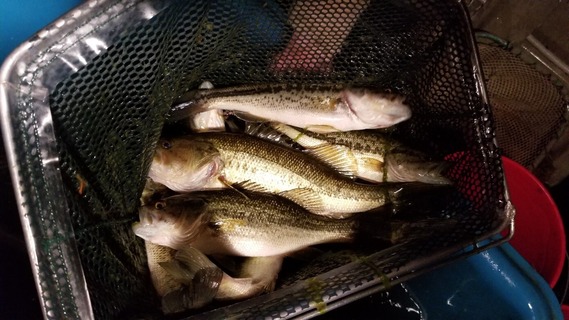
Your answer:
<point x="412" y="199"/>
<point x="263" y="270"/>
<point x="237" y="289"/>
<point x="375" y="226"/>
<point x="200" y="280"/>
<point x="406" y="231"/>
<point x="173" y="301"/>
<point x="406" y="166"/>
<point x="416" y="211"/>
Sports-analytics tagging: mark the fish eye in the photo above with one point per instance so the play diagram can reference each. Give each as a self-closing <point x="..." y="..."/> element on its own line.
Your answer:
<point x="166" y="145"/>
<point x="160" y="205"/>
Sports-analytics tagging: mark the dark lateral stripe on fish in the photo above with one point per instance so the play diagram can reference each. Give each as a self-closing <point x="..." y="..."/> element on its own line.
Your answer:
<point x="253" y="90"/>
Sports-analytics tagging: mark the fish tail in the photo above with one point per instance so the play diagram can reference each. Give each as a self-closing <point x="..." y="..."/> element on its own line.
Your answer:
<point x="238" y="288"/>
<point x="416" y="211"/>
<point x="416" y="199"/>
<point x="407" y="231"/>
<point x="373" y="226"/>
<point x="201" y="280"/>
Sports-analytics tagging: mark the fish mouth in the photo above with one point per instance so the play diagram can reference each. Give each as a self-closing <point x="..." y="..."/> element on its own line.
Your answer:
<point x="148" y="225"/>
<point x="146" y="217"/>
<point x="351" y="109"/>
<point x="141" y="231"/>
<point x="381" y="109"/>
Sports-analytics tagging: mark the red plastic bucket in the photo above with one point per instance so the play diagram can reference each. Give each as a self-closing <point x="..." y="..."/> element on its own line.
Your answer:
<point x="539" y="235"/>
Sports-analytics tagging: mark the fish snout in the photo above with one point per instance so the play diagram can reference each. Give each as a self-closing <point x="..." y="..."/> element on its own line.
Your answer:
<point x="380" y="110"/>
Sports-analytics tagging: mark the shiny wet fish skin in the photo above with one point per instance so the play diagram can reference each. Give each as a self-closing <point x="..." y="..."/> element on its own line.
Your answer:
<point x="183" y="166"/>
<point x="227" y="222"/>
<point x="163" y="282"/>
<point x="252" y="224"/>
<point x="318" y="108"/>
<point x="261" y="165"/>
<point x="173" y="276"/>
<point x="368" y="155"/>
<point x="204" y="281"/>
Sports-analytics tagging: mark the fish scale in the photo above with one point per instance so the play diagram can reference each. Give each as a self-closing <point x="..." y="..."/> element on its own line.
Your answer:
<point x="279" y="169"/>
<point x="368" y="155"/>
<point x="319" y="108"/>
<point x="247" y="232"/>
<point x="255" y="224"/>
<point x="247" y="224"/>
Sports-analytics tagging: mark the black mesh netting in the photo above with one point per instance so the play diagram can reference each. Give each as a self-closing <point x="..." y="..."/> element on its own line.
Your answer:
<point x="110" y="113"/>
<point x="529" y="109"/>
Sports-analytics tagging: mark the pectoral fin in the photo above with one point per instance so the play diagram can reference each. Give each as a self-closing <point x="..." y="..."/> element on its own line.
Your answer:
<point x="234" y="186"/>
<point x="250" y="186"/>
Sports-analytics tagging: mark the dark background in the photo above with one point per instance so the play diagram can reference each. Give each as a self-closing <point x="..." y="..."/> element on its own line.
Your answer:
<point x="18" y="295"/>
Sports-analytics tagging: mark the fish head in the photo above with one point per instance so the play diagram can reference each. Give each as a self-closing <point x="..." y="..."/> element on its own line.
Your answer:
<point x="185" y="164"/>
<point x="172" y="222"/>
<point x="378" y="110"/>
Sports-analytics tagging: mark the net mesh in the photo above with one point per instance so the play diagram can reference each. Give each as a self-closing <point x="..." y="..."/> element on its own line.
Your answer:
<point x="527" y="106"/>
<point x="109" y="115"/>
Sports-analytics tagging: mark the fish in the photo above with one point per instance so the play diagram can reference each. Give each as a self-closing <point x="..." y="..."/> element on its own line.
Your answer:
<point x="192" y="166"/>
<point x="163" y="282"/>
<point x="368" y="155"/>
<point x="170" y="288"/>
<point x="258" y="165"/>
<point x="326" y="261"/>
<point x="207" y="121"/>
<point x="318" y="108"/>
<point x="252" y="224"/>
<point x="173" y="274"/>
<point x="201" y="159"/>
<point x="202" y="281"/>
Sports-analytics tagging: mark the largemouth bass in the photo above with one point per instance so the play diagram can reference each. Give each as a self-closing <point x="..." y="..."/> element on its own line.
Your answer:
<point x="367" y="155"/>
<point x="176" y="293"/>
<point x="315" y="108"/>
<point x="202" y="281"/>
<point x="258" y="225"/>
<point x="163" y="282"/>
<point x="259" y="165"/>
<point x="191" y="168"/>
<point x="207" y="121"/>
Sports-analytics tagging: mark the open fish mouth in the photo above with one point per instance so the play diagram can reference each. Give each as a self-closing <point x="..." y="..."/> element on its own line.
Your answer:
<point x="381" y="109"/>
<point x="147" y="219"/>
